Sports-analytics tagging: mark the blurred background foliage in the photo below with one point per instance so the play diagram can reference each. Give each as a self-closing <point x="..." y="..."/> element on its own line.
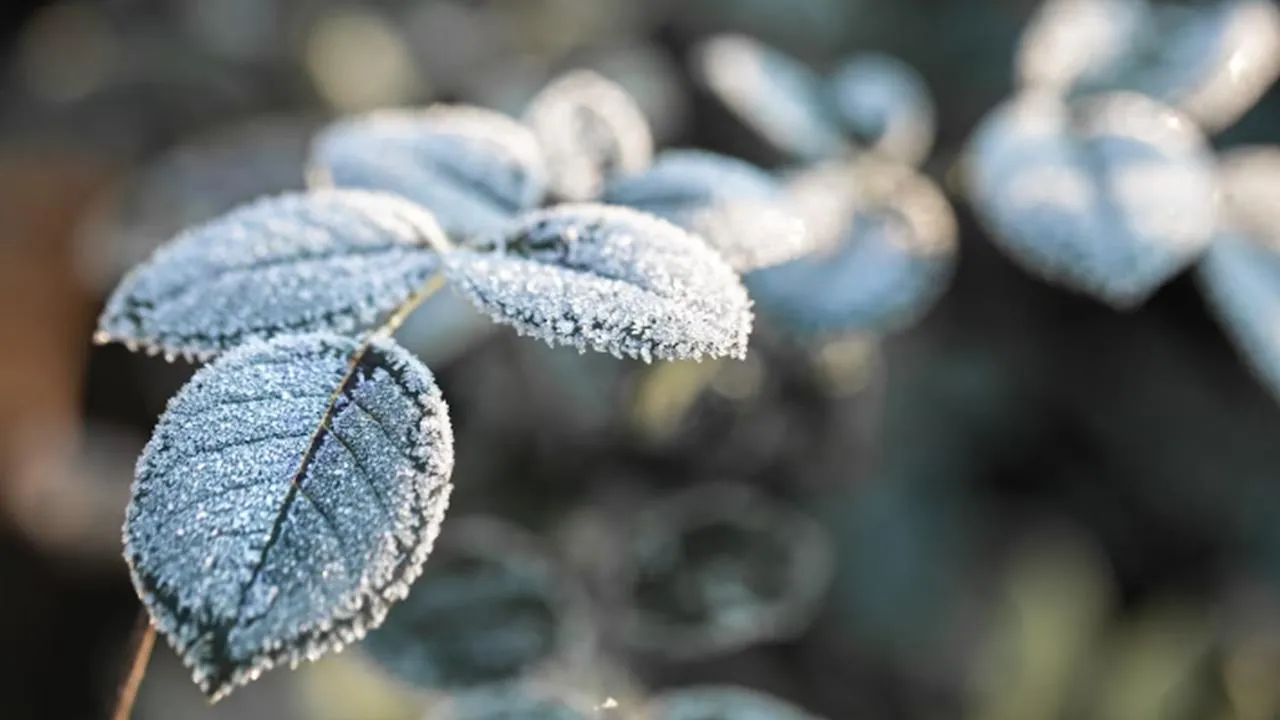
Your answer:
<point x="1028" y="506"/>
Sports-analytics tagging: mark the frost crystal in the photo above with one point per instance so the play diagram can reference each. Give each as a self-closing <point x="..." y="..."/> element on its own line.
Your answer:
<point x="735" y="206"/>
<point x="1240" y="274"/>
<point x="888" y="250"/>
<point x="290" y="493"/>
<point x="1111" y="195"/>
<point x="611" y="279"/>
<point x="473" y="168"/>
<point x="704" y="702"/>
<point x="332" y="260"/>
<point x="775" y="94"/>
<point x="589" y="128"/>
<point x="885" y="105"/>
<point x="493" y="608"/>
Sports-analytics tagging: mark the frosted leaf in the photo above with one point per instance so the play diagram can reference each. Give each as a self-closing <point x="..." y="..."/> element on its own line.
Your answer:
<point x="1111" y="195"/>
<point x="334" y="260"/>
<point x="589" y="128"/>
<point x="473" y="168"/>
<point x="289" y="495"/>
<point x="493" y="608"/>
<point x="1213" y="60"/>
<point x="190" y="184"/>
<point x="885" y="106"/>
<point x="887" y="239"/>
<point x="773" y="93"/>
<point x="721" y="702"/>
<point x="610" y="279"/>
<point x="718" y="568"/>
<point x="1240" y="273"/>
<point x="739" y="209"/>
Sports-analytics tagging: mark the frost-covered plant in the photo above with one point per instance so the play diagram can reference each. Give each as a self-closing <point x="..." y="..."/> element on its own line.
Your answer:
<point x="292" y="490"/>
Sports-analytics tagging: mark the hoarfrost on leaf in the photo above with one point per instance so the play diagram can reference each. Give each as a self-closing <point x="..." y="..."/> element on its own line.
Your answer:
<point x="473" y="168"/>
<point x="703" y="702"/>
<point x="1240" y="273"/>
<point x="1110" y="195"/>
<point x="771" y="92"/>
<point x="887" y="250"/>
<point x="611" y="279"/>
<point x="492" y="608"/>
<point x="885" y="105"/>
<point x="290" y="493"/>
<point x="590" y="129"/>
<point x="333" y="260"/>
<point x="739" y="209"/>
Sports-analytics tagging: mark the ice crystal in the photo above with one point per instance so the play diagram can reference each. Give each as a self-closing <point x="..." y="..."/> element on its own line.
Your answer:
<point x="885" y="105"/>
<point x="1240" y="274"/>
<point x="721" y="702"/>
<point x="493" y="608"/>
<point x="888" y="239"/>
<point x="290" y="493"/>
<point x="610" y="279"/>
<point x="590" y="128"/>
<point x="739" y="209"/>
<point x="775" y="94"/>
<point x="473" y="168"/>
<point x="332" y="260"/>
<point x="1110" y="195"/>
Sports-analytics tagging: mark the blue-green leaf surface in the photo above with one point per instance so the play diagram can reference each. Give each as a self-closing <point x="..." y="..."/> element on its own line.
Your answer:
<point x="721" y="702"/>
<point x="1110" y="195"/>
<point x="513" y="701"/>
<point x="738" y="208"/>
<point x="493" y="607"/>
<point x="887" y="240"/>
<point x="330" y="260"/>
<point x="289" y="495"/>
<point x="885" y="105"/>
<point x="473" y="168"/>
<point x="590" y="128"/>
<point x="773" y="93"/>
<point x="611" y="279"/>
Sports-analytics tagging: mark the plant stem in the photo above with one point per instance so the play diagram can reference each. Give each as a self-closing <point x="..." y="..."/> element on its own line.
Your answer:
<point x="144" y="640"/>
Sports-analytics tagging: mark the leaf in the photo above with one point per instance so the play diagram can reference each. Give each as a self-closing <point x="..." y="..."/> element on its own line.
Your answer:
<point x="702" y="702"/>
<point x="289" y="495"/>
<point x="1213" y="61"/>
<point x="885" y="105"/>
<point x="494" y="608"/>
<point x="1240" y="273"/>
<point x="718" y="568"/>
<point x="773" y="93"/>
<point x="473" y="168"/>
<point x="611" y="279"/>
<point x="332" y="260"/>
<point x="1111" y="195"/>
<point x="590" y="128"/>
<point x="888" y="239"/>
<point x="517" y="702"/>
<point x="736" y="207"/>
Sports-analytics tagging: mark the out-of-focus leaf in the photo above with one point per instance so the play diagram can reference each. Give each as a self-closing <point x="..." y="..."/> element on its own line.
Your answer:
<point x="610" y="279"/>
<point x="1240" y="273"/>
<point x="444" y="327"/>
<point x="290" y="493"/>
<point x="721" y="702"/>
<point x="885" y="105"/>
<point x="739" y="209"/>
<point x="493" y="608"/>
<point x="589" y="129"/>
<point x="1110" y="195"/>
<point x="190" y="184"/>
<point x="718" y="568"/>
<point x="521" y="702"/>
<point x="473" y="168"/>
<point x="1211" y="60"/>
<point x="331" y="260"/>
<point x="773" y="93"/>
<point x="887" y="239"/>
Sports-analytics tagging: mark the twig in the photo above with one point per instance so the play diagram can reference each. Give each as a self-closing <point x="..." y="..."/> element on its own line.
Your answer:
<point x="144" y="640"/>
